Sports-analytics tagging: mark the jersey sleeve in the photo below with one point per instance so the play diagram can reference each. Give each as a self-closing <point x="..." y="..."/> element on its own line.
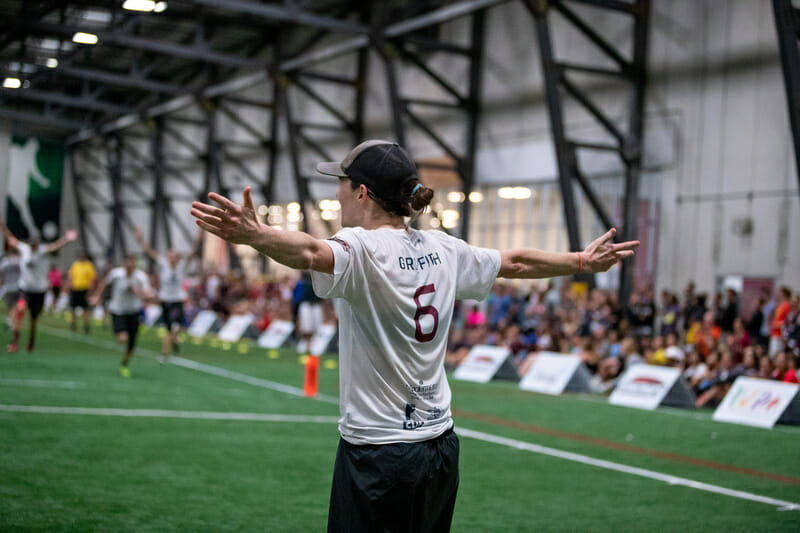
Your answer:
<point x="477" y="271"/>
<point x="346" y="247"/>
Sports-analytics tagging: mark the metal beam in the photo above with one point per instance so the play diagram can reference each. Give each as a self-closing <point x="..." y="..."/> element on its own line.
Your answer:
<point x="787" y="23"/>
<point x="200" y="52"/>
<point x="43" y="120"/>
<point x="120" y="80"/>
<point x="80" y="102"/>
<point x="285" y="14"/>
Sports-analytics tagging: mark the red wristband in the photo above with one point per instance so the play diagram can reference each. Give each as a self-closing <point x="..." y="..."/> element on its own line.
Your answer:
<point x="580" y="262"/>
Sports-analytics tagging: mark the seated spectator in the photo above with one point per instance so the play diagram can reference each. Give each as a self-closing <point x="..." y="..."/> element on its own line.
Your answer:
<point x="749" y="365"/>
<point x="716" y="384"/>
<point x="695" y="367"/>
<point x="629" y="353"/>
<point x="765" y="367"/>
<point x="785" y="368"/>
<point x="608" y="371"/>
<point x="475" y="317"/>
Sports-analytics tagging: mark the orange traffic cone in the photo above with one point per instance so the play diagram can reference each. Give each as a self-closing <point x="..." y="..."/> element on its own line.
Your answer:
<point x="311" y="384"/>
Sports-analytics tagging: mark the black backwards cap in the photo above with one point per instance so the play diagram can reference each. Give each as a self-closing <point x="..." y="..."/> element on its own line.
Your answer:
<point x="382" y="166"/>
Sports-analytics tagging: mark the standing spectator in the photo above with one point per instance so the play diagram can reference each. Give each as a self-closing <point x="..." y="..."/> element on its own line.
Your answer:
<point x="81" y="276"/>
<point x="755" y="322"/>
<point x="670" y="313"/>
<point x="776" y="343"/>
<point x="730" y="311"/>
<point x="54" y="278"/>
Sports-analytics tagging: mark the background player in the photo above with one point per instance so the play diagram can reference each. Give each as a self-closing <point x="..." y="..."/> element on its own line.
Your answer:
<point x="171" y="276"/>
<point x="81" y="277"/>
<point x="129" y="287"/>
<point x="33" y="280"/>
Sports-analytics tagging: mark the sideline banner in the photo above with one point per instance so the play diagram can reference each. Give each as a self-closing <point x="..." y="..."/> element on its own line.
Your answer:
<point x="757" y="402"/>
<point x="648" y="386"/>
<point x="234" y="328"/>
<point x="319" y="342"/>
<point x="276" y="334"/>
<point x="483" y="363"/>
<point x="202" y="323"/>
<point x="554" y="373"/>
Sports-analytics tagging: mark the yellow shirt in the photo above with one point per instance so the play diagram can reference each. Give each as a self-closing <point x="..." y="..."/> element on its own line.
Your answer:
<point x="82" y="274"/>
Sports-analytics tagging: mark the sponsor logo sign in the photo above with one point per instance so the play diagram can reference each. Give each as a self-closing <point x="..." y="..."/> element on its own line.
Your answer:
<point x="276" y="334"/>
<point x="644" y="386"/>
<point x="234" y="328"/>
<point x="321" y="339"/>
<point x="550" y="373"/>
<point x="756" y="402"/>
<point x="202" y="323"/>
<point x="481" y="363"/>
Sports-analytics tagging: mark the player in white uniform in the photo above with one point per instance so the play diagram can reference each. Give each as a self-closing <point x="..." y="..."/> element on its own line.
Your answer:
<point x="33" y="282"/>
<point x="394" y="289"/>
<point x="171" y="275"/>
<point x="129" y="286"/>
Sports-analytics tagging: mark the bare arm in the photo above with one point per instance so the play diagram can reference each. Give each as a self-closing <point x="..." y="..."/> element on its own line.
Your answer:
<point x="238" y="224"/>
<point x="13" y="242"/>
<point x="94" y="299"/>
<point x="137" y="232"/>
<point x="69" y="236"/>
<point x="599" y="256"/>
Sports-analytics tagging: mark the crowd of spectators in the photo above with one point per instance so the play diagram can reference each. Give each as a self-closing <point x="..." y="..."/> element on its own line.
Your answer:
<point x="708" y="339"/>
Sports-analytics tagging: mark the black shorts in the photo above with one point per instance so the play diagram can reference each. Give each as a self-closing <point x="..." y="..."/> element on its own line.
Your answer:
<point x="78" y="299"/>
<point x="10" y="297"/>
<point x="128" y="323"/>
<point x="35" y="302"/>
<point x="172" y="313"/>
<point x="395" y="487"/>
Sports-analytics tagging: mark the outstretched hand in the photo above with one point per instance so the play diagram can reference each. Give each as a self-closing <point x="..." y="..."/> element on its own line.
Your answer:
<point x="603" y="253"/>
<point x="237" y="224"/>
<point x="71" y="235"/>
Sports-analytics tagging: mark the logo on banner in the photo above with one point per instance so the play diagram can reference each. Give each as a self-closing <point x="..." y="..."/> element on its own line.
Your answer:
<point x="642" y="386"/>
<point x="754" y="400"/>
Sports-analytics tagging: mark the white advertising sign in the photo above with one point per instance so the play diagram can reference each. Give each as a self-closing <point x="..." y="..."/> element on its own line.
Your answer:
<point x="756" y="402"/>
<point x="319" y="342"/>
<point x="234" y="328"/>
<point x="648" y="386"/>
<point x="276" y="334"/>
<point x="552" y="372"/>
<point x="482" y="363"/>
<point x="151" y="315"/>
<point x="202" y="323"/>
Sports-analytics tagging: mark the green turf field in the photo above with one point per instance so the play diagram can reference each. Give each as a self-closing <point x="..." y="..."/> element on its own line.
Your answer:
<point x="179" y="461"/>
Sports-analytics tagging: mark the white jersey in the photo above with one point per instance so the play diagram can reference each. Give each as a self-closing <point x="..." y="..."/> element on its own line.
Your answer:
<point x="171" y="289"/>
<point x="33" y="268"/>
<point x="124" y="300"/>
<point x="395" y="290"/>
<point x="10" y="269"/>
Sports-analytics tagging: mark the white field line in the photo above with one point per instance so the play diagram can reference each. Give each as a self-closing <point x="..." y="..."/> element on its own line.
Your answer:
<point x="161" y="413"/>
<point x="44" y="383"/>
<point x="486" y="437"/>
<point x="194" y="365"/>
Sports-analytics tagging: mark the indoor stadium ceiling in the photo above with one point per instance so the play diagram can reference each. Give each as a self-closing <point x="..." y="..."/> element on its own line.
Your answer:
<point x="74" y="65"/>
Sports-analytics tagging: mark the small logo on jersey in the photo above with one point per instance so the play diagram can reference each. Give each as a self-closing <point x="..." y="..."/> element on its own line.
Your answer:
<point x="345" y="245"/>
<point x="411" y="424"/>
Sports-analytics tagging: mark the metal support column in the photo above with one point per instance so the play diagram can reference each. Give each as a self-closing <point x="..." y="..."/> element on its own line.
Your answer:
<point x="113" y="146"/>
<point x="76" y="184"/>
<point x="627" y="144"/>
<point x="787" y="24"/>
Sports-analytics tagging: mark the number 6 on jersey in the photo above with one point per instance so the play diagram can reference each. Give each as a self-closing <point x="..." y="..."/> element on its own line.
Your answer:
<point x="425" y="310"/>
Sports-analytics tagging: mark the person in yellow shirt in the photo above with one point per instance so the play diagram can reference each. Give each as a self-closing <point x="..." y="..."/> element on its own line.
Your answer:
<point x="82" y="276"/>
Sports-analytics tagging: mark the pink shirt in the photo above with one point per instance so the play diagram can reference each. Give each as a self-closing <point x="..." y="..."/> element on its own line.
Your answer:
<point x="55" y="277"/>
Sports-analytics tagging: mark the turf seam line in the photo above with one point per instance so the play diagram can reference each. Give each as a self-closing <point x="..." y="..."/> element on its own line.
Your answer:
<point x="610" y="444"/>
<point x="194" y="365"/>
<point x="163" y="413"/>
<point x="641" y="472"/>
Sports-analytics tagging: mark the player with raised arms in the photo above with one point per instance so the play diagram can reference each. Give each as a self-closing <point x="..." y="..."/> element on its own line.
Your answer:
<point x="394" y="288"/>
<point x="171" y="276"/>
<point x="33" y="282"/>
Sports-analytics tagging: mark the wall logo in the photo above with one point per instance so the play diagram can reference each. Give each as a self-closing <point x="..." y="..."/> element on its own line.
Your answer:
<point x="33" y="201"/>
<point x="642" y="386"/>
